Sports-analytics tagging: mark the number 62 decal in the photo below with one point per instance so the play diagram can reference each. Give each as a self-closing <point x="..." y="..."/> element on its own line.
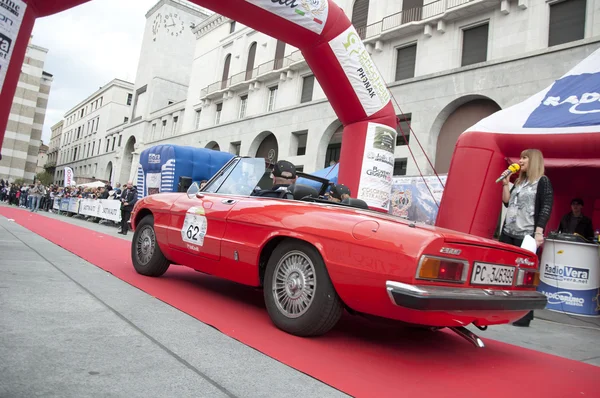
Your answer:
<point x="194" y="227"/>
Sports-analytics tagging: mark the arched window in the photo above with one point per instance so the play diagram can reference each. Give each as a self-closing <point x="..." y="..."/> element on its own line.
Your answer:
<point x="251" y="58"/>
<point x="360" y="16"/>
<point x="226" y="71"/>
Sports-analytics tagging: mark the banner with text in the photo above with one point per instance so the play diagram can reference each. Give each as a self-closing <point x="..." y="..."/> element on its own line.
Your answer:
<point x="412" y="197"/>
<point x="378" y="166"/>
<point x="11" y="17"/>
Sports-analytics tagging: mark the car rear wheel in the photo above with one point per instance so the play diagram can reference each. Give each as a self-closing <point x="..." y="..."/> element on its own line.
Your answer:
<point x="299" y="295"/>
<point x="146" y="256"/>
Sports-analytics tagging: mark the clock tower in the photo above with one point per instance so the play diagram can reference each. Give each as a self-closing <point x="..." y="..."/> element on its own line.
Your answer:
<point x="166" y="57"/>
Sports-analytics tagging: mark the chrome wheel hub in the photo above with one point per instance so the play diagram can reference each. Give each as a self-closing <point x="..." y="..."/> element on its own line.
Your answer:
<point x="294" y="284"/>
<point x="146" y="243"/>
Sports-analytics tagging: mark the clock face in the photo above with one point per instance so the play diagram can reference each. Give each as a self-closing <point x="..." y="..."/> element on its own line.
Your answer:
<point x="174" y="25"/>
<point x="156" y="25"/>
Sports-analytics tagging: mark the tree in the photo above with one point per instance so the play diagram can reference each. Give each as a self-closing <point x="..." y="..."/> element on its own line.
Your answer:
<point x="45" y="178"/>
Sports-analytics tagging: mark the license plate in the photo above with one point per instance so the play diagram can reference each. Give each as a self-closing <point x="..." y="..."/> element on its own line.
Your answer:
<point x="490" y="274"/>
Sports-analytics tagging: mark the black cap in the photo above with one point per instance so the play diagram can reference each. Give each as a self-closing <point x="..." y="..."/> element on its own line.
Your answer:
<point x="337" y="190"/>
<point x="577" y="201"/>
<point x="284" y="169"/>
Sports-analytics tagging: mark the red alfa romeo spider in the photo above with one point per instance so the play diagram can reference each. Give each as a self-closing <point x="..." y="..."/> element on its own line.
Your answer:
<point x="314" y="258"/>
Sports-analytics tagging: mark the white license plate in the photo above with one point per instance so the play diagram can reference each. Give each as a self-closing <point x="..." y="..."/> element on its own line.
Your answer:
<point x="491" y="274"/>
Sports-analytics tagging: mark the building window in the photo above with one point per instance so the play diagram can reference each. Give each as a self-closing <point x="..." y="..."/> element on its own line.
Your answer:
<point x="405" y="62"/>
<point x="300" y="141"/>
<point x="475" y="45"/>
<point x="234" y="148"/>
<point x="243" y="106"/>
<point x="272" y="98"/>
<point x="197" y="120"/>
<point x="299" y="169"/>
<point x="126" y="119"/>
<point x="403" y="127"/>
<point x="567" y="22"/>
<point x="400" y="167"/>
<point x="279" y="55"/>
<point x="120" y="138"/>
<point x="114" y="143"/>
<point x="251" y="59"/>
<point x="360" y="17"/>
<point x="308" y="85"/>
<point x="74" y="154"/>
<point x="231" y="27"/>
<point x="226" y="66"/>
<point x="129" y="98"/>
<point x="163" y="128"/>
<point x="218" y="114"/>
<point x="332" y="154"/>
<point x="153" y="131"/>
<point x="174" y="128"/>
<point x="107" y="144"/>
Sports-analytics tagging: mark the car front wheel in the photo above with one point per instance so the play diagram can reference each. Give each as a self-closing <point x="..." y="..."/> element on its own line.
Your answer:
<point x="299" y="295"/>
<point x="146" y="256"/>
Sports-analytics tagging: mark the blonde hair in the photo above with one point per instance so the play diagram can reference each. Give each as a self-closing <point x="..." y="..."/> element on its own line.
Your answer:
<point x="535" y="168"/>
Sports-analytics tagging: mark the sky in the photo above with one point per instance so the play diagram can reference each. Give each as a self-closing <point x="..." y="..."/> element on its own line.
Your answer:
<point x="88" y="46"/>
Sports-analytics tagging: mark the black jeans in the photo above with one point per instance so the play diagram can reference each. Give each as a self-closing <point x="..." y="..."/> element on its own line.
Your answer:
<point x="125" y="214"/>
<point x="516" y="242"/>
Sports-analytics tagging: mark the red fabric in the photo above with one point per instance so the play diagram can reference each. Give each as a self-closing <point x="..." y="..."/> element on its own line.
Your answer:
<point x="358" y="357"/>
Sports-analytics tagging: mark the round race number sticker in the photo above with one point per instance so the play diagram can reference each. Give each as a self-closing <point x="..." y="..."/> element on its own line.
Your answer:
<point x="194" y="227"/>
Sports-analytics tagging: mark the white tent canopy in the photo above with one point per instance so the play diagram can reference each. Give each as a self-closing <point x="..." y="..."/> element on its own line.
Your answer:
<point x="95" y="184"/>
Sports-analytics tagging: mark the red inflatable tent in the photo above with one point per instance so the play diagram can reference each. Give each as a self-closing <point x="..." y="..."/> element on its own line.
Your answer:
<point x="563" y="121"/>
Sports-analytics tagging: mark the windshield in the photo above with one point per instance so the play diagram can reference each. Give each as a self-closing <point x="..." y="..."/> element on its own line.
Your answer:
<point x="241" y="177"/>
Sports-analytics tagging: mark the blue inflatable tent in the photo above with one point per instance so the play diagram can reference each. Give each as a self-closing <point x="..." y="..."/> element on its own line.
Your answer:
<point x="331" y="173"/>
<point x="162" y="166"/>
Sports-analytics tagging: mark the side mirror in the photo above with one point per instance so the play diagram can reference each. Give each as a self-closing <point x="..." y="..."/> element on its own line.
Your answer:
<point x="193" y="190"/>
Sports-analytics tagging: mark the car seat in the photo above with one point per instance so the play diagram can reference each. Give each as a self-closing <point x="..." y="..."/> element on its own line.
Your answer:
<point x="361" y="204"/>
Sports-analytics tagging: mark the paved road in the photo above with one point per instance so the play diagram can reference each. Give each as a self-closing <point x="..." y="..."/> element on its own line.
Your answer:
<point x="69" y="329"/>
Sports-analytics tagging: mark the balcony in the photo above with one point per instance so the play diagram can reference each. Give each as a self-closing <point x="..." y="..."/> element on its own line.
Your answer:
<point x="413" y="19"/>
<point x="261" y="73"/>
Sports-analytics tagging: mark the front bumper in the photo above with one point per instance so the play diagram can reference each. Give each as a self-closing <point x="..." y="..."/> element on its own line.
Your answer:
<point x="439" y="298"/>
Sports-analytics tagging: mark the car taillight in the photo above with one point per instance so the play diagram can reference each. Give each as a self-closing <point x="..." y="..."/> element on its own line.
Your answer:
<point x="442" y="269"/>
<point x="528" y="277"/>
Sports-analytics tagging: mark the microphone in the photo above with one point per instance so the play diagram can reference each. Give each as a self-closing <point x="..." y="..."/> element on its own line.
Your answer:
<point x="513" y="168"/>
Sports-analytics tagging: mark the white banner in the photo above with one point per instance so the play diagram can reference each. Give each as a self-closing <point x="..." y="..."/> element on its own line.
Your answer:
<point x="310" y="14"/>
<point x="69" y="181"/>
<point x="108" y="209"/>
<point x="375" y="184"/>
<point x="11" y="16"/>
<point x="361" y="71"/>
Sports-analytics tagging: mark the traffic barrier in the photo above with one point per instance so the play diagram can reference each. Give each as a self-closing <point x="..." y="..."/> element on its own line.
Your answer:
<point x="106" y="209"/>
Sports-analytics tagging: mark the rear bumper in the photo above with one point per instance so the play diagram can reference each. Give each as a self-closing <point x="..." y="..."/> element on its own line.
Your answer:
<point x="435" y="298"/>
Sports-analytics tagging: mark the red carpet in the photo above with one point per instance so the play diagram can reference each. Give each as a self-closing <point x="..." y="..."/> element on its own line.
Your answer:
<point x="360" y="358"/>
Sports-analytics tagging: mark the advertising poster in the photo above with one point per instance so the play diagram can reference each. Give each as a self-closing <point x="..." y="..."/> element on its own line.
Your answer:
<point x="570" y="278"/>
<point x="11" y="16"/>
<point x="369" y="86"/>
<point x="378" y="166"/>
<point x="69" y="181"/>
<point x="412" y="199"/>
<point x="310" y="14"/>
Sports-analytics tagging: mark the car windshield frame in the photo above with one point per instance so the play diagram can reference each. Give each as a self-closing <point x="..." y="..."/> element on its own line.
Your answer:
<point x="240" y="176"/>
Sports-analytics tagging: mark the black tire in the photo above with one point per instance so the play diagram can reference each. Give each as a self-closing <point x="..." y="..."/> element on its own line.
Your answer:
<point x="154" y="265"/>
<point x="322" y="312"/>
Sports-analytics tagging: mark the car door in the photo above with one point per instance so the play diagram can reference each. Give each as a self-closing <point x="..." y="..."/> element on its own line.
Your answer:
<point x="198" y="224"/>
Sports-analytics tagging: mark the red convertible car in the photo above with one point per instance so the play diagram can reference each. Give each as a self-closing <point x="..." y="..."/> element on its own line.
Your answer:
<point x="315" y="258"/>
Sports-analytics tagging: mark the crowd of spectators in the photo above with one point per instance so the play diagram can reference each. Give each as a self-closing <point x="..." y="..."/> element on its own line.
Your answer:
<point x="37" y="197"/>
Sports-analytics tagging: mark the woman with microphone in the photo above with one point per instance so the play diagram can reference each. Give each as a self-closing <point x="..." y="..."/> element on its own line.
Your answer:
<point x="529" y="204"/>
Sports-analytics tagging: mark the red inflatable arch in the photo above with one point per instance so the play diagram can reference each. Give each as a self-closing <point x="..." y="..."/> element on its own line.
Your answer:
<point x="334" y="52"/>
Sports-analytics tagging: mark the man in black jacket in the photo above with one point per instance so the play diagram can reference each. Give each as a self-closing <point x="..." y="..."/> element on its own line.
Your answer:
<point x="576" y="222"/>
<point x="128" y="199"/>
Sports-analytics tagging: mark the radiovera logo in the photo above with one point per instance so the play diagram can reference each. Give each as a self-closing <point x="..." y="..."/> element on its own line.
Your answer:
<point x="572" y="101"/>
<point x="11" y="6"/>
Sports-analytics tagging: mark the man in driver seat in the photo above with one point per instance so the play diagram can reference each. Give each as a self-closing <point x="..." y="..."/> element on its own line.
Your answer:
<point x="283" y="175"/>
